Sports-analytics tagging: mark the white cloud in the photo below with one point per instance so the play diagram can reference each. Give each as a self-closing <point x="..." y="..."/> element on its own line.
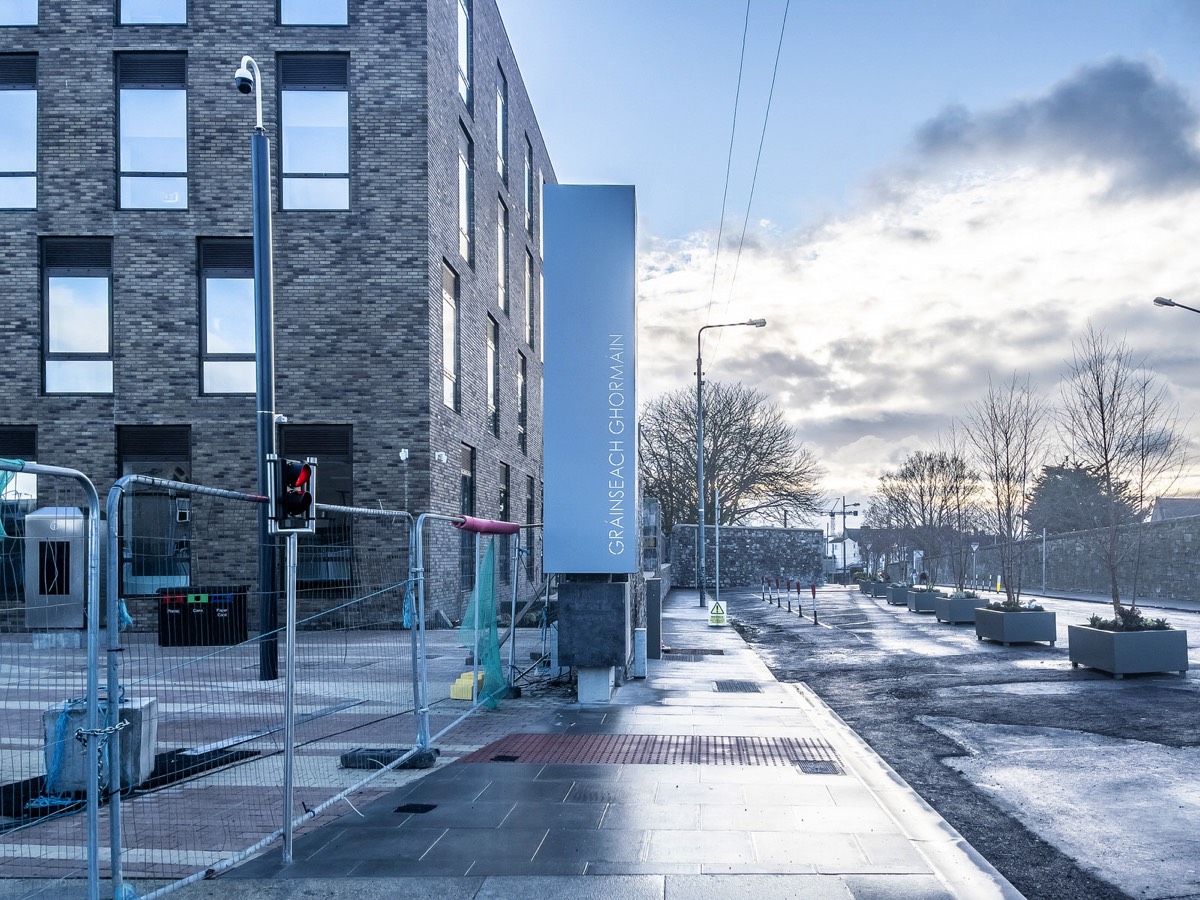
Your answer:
<point x="884" y="324"/>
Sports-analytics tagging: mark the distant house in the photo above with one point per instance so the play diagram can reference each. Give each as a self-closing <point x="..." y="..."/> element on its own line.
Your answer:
<point x="1164" y="508"/>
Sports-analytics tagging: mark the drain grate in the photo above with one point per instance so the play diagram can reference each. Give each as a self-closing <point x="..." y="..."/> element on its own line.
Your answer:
<point x="659" y="749"/>
<point x="690" y="654"/>
<point x="738" y="687"/>
<point x="819" y="767"/>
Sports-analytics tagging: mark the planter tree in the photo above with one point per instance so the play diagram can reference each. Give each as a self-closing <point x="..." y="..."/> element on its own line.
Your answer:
<point x="1118" y="421"/>
<point x="1008" y="433"/>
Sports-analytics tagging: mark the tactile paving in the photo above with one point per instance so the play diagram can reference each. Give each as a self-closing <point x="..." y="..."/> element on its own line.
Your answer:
<point x="655" y="749"/>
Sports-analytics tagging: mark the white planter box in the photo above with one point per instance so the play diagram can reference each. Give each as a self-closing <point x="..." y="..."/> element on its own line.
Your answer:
<point x="1015" y="627"/>
<point x="1128" y="652"/>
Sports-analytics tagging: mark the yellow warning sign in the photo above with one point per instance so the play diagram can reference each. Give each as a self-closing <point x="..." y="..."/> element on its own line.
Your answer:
<point x="716" y="613"/>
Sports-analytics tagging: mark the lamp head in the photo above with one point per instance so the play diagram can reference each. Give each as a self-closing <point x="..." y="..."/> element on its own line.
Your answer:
<point x="757" y="323"/>
<point x="1163" y="301"/>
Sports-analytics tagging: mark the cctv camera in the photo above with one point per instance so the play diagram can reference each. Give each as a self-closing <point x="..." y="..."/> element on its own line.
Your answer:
<point x="243" y="80"/>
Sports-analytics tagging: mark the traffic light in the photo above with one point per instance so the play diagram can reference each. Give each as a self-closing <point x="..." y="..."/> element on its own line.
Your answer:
<point x="293" y="489"/>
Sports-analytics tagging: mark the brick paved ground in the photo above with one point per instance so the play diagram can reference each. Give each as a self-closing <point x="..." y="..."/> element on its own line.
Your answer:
<point x="356" y="687"/>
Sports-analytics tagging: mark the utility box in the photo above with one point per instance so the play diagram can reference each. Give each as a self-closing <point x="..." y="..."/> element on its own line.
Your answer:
<point x="66" y="761"/>
<point x="55" y="568"/>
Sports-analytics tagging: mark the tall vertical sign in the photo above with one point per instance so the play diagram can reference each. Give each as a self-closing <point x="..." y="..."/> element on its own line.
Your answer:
<point x="591" y="448"/>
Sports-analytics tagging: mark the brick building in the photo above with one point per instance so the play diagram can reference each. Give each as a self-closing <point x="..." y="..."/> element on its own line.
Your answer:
<point x="407" y="167"/>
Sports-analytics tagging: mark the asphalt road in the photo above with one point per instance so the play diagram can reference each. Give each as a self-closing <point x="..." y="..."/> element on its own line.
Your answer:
<point x="953" y="716"/>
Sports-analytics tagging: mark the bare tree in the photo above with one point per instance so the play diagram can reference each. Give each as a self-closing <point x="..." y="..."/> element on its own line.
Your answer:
<point x="963" y="510"/>
<point x="1118" y="420"/>
<point x="751" y="455"/>
<point x="1008" y="433"/>
<point x="926" y="503"/>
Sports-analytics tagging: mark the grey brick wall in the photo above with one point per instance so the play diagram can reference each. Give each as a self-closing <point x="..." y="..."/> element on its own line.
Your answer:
<point x="357" y="292"/>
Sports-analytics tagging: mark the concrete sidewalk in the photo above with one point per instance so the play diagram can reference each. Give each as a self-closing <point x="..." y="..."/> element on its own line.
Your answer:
<point x="707" y="779"/>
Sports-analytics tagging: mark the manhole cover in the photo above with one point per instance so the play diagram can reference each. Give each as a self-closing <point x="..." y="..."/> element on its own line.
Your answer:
<point x="819" y="767"/>
<point x="658" y="749"/>
<point x="416" y="808"/>
<point x="738" y="687"/>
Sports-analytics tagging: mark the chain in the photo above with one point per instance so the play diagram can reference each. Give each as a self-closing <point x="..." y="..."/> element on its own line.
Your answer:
<point x="82" y="734"/>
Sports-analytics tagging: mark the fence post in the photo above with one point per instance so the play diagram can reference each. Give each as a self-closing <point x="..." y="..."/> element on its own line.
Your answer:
<point x="289" y="695"/>
<point x="94" y="737"/>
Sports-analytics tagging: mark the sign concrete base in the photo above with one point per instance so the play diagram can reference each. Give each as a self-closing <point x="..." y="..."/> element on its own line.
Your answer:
<point x="596" y="684"/>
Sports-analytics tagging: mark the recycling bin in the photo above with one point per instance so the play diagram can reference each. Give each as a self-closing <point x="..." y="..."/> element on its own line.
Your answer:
<point x="201" y="616"/>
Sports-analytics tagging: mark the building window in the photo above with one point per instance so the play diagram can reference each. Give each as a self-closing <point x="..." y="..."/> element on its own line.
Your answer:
<point x="314" y="102"/>
<point x="504" y="544"/>
<point x="502" y="255"/>
<point x="156" y="529"/>
<point x="465" y="51"/>
<point x="530" y="299"/>
<point x="466" y="506"/>
<point x="18" y="137"/>
<point x="227" y="340"/>
<point x="493" y="376"/>
<point x="530" y="512"/>
<point x="529" y="175"/>
<point x="522" y="404"/>
<point x="153" y="130"/>
<point x="18" y="498"/>
<point x="502" y="127"/>
<point x="18" y="12"/>
<point x="450" y="337"/>
<point x="77" y="315"/>
<point x="153" y="12"/>
<point x="313" y="12"/>
<point x="466" y="196"/>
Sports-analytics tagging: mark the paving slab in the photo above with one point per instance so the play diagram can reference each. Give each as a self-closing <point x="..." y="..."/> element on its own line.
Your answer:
<point x="708" y="778"/>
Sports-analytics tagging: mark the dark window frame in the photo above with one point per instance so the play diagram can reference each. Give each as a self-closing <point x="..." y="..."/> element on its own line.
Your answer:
<point x="492" y="376"/>
<point x="468" y="487"/>
<point x="315" y="72"/>
<point x="452" y="375"/>
<point x="208" y="266"/>
<point x="151" y="79"/>
<point x="121" y="23"/>
<point x="90" y="252"/>
<point x="282" y="24"/>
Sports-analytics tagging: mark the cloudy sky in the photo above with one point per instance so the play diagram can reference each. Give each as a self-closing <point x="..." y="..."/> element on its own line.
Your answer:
<point x="945" y="192"/>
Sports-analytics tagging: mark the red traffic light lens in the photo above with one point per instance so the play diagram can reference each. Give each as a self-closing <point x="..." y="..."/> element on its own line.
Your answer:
<point x="296" y="474"/>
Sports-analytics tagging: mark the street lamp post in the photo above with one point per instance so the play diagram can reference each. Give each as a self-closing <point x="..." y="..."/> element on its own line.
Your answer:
<point x="1166" y="301"/>
<point x="757" y="323"/>
<point x="248" y="79"/>
<point x="974" y="571"/>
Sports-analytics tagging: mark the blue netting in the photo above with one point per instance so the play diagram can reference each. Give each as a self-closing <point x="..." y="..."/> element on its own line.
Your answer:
<point x="485" y="644"/>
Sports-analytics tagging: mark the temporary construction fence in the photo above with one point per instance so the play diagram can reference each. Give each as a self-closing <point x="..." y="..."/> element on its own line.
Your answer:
<point x="50" y="683"/>
<point x="217" y="758"/>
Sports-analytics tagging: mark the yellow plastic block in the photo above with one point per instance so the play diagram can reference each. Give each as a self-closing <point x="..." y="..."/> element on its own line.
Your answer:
<point x="461" y="689"/>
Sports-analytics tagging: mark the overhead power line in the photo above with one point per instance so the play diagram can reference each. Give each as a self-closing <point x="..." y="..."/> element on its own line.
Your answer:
<point x="757" y="161"/>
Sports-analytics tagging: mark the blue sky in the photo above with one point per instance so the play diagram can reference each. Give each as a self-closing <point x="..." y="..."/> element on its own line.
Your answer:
<point x="947" y="191"/>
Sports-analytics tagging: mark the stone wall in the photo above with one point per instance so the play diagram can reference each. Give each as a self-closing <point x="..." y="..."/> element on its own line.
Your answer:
<point x="748" y="554"/>
<point x="1161" y="561"/>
